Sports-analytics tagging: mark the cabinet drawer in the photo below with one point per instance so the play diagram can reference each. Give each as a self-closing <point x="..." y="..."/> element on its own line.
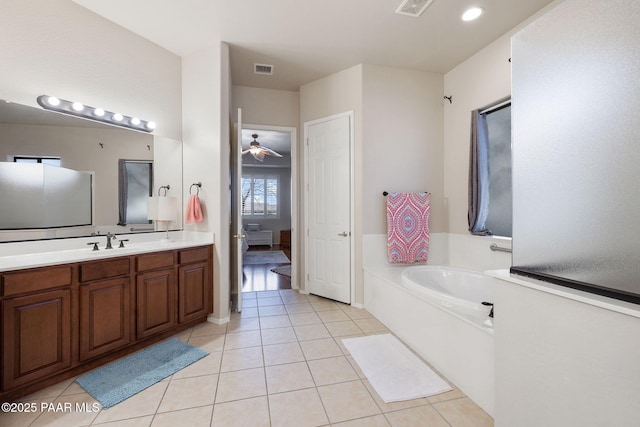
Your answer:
<point x="104" y="269"/>
<point x="194" y="255"/>
<point x="35" y="280"/>
<point x="154" y="261"/>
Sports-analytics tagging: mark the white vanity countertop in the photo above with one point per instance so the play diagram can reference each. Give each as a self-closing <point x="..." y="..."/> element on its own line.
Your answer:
<point x="23" y="255"/>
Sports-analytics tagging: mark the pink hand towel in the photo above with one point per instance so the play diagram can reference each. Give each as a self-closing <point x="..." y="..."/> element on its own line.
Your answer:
<point x="193" y="213"/>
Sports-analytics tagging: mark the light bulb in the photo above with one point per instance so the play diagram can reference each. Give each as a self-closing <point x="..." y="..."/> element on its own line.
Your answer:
<point x="52" y="100"/>
<point x="135" y="121"/>
<point x="472" y="13"/>
<point x="151" y="125"/>
<point x="77" y="106"/>
<point x="98" y="112"/>
<point x="117" y="117"/>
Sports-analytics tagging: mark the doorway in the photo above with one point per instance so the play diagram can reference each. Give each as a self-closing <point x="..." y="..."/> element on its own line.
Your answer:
<point x="267" y="194"/>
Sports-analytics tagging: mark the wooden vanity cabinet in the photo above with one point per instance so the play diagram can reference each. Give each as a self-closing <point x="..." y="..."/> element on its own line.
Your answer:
<point x="105" y="306"/>
<point x="36" y="328"/>
<point x="155" y="293"/>
<point x="60" y="321"/>
<point x="193" y="283"/>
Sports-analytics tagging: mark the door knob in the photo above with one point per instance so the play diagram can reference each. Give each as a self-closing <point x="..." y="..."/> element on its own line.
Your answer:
<point x="239" y="236"/>
<point x="343" y="234"/>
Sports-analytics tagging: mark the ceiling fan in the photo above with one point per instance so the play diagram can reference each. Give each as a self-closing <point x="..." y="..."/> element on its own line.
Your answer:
<point x="257" y="151"/>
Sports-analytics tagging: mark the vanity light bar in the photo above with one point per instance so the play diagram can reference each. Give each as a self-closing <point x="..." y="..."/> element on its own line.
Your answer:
<point x="93" y="113"/>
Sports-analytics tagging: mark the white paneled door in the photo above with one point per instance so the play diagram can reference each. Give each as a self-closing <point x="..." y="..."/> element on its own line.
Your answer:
<point x="328" y="207"/>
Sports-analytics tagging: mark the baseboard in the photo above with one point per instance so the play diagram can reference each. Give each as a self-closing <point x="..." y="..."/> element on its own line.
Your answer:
<point x="217" y="321"/>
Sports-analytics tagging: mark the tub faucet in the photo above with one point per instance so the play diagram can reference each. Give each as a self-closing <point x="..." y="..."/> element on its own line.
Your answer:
<point x="489" y="304"/>
<point x="109" y="237"/>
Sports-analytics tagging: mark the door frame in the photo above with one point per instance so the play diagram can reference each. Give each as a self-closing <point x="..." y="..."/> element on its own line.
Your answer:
<point x="352" y="192"/>
<point x="294" y="194"/>
<point x="236" y="258"/>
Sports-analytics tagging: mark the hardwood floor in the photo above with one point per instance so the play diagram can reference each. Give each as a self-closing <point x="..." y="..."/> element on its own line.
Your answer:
<point x="259" y="277"/>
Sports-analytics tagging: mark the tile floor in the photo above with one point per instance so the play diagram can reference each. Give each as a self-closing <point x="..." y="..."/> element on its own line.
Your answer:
<point x="279" y="363"/>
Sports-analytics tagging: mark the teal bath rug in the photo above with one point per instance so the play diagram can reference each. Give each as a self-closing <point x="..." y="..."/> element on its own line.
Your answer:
<point x="119" y="380"/>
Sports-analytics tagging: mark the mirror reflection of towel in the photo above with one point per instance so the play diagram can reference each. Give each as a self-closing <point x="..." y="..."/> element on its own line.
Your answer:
<point x="193" y="213"/>
<point x="408" y="227"/>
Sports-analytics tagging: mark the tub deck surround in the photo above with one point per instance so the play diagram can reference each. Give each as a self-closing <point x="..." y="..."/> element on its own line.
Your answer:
<point x="596" y="300"/>
<point x="563" y="356"/>
<point x="459" y="346"/>
<point x="23" y="255"/>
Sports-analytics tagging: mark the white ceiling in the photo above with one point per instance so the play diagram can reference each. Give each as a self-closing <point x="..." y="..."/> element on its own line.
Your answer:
<point x="306" y="40"/>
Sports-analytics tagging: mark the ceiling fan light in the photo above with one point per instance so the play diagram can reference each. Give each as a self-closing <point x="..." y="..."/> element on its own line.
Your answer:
<point x="472" y="13"/>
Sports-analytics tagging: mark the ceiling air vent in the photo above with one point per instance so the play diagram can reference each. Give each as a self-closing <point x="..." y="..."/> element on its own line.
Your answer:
<point x="264" y="69"/>
<point x="413" y="7"/>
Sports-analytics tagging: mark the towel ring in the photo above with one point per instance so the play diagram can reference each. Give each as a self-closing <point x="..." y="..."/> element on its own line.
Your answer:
<point x="165" y="188"/>
<point x="197" y="184"/>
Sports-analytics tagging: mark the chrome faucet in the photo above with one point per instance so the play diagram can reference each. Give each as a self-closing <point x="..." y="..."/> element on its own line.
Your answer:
<point x="109" y="237"/>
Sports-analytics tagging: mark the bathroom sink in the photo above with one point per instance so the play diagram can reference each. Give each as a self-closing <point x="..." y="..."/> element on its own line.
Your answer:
<point x="29" y="255"/>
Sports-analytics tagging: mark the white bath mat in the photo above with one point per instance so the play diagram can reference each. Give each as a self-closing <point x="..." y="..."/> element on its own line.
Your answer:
<point x="392" y="369"/>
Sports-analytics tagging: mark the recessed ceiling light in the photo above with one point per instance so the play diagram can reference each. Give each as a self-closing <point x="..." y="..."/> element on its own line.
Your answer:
<point x="472" y="13"/>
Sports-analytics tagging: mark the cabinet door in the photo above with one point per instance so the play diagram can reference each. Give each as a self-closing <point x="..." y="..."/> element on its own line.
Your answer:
<point x="104" y="316"/>
<point x="36" y="339"/>
<point x="193" y="295"/>
<point x="155" y="302"/>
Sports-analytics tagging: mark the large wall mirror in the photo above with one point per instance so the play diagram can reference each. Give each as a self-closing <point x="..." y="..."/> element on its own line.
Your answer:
<point x="60" y="176"/>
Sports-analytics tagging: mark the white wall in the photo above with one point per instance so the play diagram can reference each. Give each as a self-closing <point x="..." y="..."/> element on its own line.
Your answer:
<point x="398" y="139"/>
<point x="57" y="47"/>
<point x="402" y="141"/>
<point x="338" y="93"/>
<point x="206" y="105"/>
<point x="267" y="106"/>
<point x="480" y="80"/>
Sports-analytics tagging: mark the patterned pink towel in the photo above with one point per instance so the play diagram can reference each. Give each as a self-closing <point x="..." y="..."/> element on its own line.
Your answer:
<point x="408" y="227"/>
